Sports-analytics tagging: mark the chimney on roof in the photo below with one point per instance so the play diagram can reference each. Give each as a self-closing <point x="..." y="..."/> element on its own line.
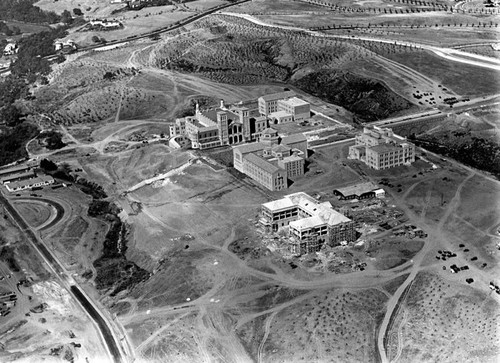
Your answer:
<point x="197" y="108"/>
<point x="222" y="104"/>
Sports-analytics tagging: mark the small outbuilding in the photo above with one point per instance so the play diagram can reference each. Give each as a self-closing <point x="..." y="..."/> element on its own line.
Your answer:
<point x="359" y="191"/>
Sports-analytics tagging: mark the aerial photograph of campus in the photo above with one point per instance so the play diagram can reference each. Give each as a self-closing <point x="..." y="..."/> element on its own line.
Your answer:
<point x="250" y="181"/>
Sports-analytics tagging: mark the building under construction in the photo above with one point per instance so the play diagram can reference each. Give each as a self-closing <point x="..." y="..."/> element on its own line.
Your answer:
<point x="310" y="223"/>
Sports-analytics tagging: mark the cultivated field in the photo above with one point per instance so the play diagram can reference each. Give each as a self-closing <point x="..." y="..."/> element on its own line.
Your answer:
<point x="446" y="321"/>
<point x="337" y="324"/>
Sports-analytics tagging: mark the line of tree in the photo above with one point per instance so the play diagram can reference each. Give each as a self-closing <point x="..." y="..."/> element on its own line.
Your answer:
<point x="429" y="6"/>
<point x="412" y="26"/>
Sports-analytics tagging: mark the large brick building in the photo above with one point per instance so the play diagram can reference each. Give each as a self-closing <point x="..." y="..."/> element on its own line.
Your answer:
<point x="310" y="224"/>
<point x="221" y="126"/>
<point x="239" y="123"/>
<point x="380" y="148"/>
<point x="284" y="107"/>
<point x="273" y="160"/>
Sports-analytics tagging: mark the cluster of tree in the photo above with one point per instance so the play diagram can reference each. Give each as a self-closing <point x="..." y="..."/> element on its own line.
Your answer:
<point x="53" y="140"/>
<point x="48" y="165"/>
<point x="30" y="61"/>
<point x="91" y="188"/>
<point x="474" y="151"/>
<point x="13" y="137"/>
<point x="99" y="208"/>
<point x="24" y="10"/>
<point x="115" y="272"/>
<point x="7" y="255"/>
<point x="4" y="28"/>
<point x="11" y="89"/>
<point x="10" y="115"/>
<point x="29" y="67"/>
<point x="96" y="39"/>
<point x="63" y="171"/>
<point x="13" y="141"/>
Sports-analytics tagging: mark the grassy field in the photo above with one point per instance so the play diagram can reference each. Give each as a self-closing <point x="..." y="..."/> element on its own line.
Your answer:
<point x="142" y="22"/>
<point x="94" y="8"/>
<point x="34" y="213"/>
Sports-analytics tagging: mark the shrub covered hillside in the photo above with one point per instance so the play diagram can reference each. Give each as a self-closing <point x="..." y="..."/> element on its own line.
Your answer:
<point x="370" y="100"/>
<point x="236" y="51"/>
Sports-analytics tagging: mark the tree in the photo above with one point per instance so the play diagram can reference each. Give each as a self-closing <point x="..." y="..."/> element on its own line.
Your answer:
<point x="77" y="12"/>
<point x="66" y="17"/>
<point x="48" y="165"/>
<point x="10" y="115"/>
<point x="95" y="39"/>
<point x="53" y="140"/>
<point x="60" y="58"/>
<point x="155" y="36"/>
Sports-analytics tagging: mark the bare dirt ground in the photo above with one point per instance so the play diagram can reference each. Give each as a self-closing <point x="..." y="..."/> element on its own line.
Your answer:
<point x="44" y="323"/>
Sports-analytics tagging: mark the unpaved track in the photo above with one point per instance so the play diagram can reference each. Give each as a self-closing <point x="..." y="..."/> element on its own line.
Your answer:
<point x="267" y="329"/>
<point x="435" y="236"/>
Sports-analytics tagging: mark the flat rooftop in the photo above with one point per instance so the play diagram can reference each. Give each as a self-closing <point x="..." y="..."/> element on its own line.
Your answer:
<point x="324" y="211"/>
<point x="25" y="175"/>
<point x="383" y="148"/>
<point x="23" y="183"/>
<point x="262" y="163"/>
<point x="307" y="223"/>
<point x="249" y="148"/>
<point x="292" y="139"/>
<point x="278" y="96"/>
<point x="289" y="159"/>
<point x="279" y="204"/>
<point x="295" y="101"/>
<point x="280" y="114"/>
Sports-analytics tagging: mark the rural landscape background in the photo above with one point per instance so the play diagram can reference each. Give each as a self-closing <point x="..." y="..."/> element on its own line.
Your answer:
<point x="149" y="253"/>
